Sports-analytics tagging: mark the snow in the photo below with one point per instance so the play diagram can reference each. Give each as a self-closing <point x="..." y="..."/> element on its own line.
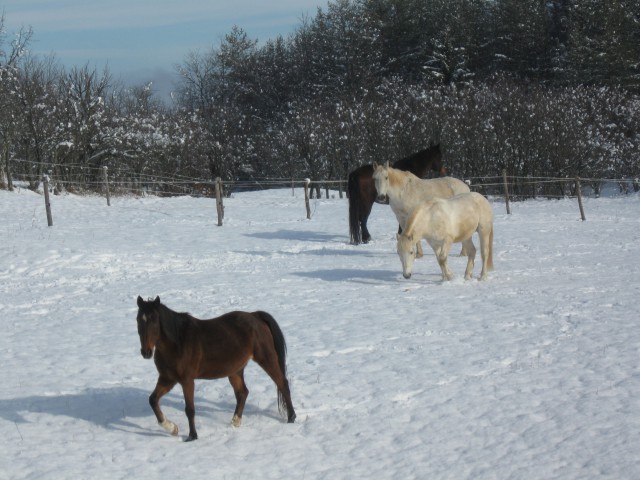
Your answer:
<point x="532" y="374"/>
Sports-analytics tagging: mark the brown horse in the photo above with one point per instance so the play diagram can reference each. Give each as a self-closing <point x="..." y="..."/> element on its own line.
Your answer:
<point x="187" y="349"/>
<point x="363" y="194"/>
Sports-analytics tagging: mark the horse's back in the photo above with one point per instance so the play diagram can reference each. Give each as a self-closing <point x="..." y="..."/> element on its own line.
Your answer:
<point x="445" y="187"/>
<point x="236" y="324"/>
<point x="470" y="206"/>
<point x="226" y="343"/>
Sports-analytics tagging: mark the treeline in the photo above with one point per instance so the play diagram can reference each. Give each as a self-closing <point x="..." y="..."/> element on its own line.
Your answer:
<point x="539" y="88"/>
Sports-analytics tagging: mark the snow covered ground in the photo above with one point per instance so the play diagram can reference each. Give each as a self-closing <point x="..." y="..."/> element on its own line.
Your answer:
<point x="533" y="374"/>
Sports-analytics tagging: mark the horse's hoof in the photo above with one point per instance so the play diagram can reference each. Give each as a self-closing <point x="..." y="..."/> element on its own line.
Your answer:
<point x="191" y="437"/>
<point x="292" y="418"/>
<point x="236" y="421"/>
<point x="170" y="427"/>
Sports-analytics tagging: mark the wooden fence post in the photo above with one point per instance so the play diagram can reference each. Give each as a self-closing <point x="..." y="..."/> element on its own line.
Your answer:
<point x="219" y="204"/>
<point x="306" y="197"/>
<point x="106" y="184"/>
<point x="506" y="191"/>
<point x="47" y="204"/>
<point x="579" y="193"/>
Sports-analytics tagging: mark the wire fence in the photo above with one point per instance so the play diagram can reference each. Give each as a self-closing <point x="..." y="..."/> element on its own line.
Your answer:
<point x="98" y="180"/>
<point x="77" y="178"/>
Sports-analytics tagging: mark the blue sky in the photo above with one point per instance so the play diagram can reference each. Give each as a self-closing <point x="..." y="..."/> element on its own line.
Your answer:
<point x="142" y="40"/>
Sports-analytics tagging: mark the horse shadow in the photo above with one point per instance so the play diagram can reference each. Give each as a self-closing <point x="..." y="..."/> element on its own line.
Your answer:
<point x="299" y="235"/>
<point x="114" y="408"/>
<point x="368" y="277"/>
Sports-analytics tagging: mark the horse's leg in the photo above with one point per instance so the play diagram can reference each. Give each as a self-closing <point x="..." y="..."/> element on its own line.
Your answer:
<point x="188" y="389"/>
<point x="162" y="387"/>
<point x="364" y="216"/>
<point x="486" y="247"/>
<point x="269" y="364"/>
<point x="442" y="253"/>
<point x="241" y="391"/>
<point x="469" y="247"/>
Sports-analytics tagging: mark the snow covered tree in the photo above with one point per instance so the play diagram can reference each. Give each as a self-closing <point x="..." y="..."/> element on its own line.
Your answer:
<point x="10" y="117"/>
<point x="36" y="91"/>
<point x="82" y="118"/>
<point x="604" y="42"/>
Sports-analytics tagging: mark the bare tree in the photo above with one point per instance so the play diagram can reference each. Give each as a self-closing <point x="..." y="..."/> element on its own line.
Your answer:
<point x="10" y="118"/>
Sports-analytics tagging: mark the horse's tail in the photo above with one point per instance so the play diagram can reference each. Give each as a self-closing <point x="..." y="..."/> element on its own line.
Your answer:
<point x="281" y="350"/>
<point x="353" y="187"/>
<point x="490" y="256"/>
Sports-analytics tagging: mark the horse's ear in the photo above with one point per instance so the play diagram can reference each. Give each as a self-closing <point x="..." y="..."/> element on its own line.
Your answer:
<point x="140" y="301"/>
<point x="387" y="164"/>
<point x="375" y="165"/>
<point x="156" y="302"/>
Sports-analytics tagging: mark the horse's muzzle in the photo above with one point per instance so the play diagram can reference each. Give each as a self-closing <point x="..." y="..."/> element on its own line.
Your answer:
<point x="406" y="275"/>
<point x="147" y="353"/>
<point x="382" y="199"/>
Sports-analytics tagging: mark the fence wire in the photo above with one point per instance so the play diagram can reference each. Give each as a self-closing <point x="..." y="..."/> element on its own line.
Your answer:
<point x="87" y="179"/>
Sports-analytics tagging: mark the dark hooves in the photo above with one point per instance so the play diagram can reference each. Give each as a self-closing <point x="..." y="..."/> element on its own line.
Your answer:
<point x="191" y="438"/>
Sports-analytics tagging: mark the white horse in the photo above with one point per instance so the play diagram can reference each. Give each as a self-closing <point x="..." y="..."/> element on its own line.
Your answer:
<point x="406" y="191"/>
<point x="443" y="221"/>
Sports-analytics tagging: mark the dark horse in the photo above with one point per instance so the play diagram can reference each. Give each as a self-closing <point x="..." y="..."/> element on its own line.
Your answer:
<point x="187" y="348"/>
<point x="362" y="189"/>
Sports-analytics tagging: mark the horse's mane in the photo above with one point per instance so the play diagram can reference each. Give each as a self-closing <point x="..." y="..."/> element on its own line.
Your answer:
<point x="398" y="178"/>
<point x="408" y="231"/>
<point x="174" y="324"/>
<point x="407" y="162"/>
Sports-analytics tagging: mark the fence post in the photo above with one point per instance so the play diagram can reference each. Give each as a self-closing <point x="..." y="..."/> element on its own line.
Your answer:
<point x="106" y="184"/>
<point x="579" y="193"/>
<point x="306" y="197"/>
<point x="219" y="205"/>
<point x="47" y="204"/>
<point x="506" y="191"/>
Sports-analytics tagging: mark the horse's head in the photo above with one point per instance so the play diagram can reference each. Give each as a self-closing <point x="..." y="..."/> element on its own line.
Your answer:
<point x="381" y="179"/>
<point x="148" y="325"/>
<point x="406" y="247"/>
